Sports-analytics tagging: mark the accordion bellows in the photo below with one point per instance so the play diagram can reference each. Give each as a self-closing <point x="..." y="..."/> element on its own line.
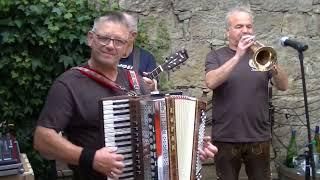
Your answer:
<point x="159" y="136"/>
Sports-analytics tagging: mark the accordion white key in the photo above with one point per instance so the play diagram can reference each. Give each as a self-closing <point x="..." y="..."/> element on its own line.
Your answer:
<point x="159" y="136"/>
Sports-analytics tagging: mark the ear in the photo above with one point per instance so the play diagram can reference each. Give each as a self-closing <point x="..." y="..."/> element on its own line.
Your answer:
<point x="227" y="34"/>
<point x="134" y="35"/>
<point x="90" y="38"/>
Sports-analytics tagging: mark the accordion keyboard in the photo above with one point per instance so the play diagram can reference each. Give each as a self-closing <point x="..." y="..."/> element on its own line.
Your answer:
<point x="117" y="132"/>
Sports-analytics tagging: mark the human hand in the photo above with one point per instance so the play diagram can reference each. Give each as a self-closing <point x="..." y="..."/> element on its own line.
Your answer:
<point x="274" y="69"/>
<point x="106" y="161"/>
<point x="151" y="83"/>
<point x="245" y="42"/>
<point x="209" y="150"/>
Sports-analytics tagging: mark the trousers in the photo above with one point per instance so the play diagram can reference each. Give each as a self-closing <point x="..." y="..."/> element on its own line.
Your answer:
<point x="255" y="156"/>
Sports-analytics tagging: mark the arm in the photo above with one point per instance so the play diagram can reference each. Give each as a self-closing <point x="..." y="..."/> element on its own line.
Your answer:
<point x="279" y="78"/>
<point x="216" y="77"/>
<point x="53" y="146"/>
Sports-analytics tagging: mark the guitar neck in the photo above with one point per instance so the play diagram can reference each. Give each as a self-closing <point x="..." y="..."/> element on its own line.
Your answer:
<point x="153" y="74"/>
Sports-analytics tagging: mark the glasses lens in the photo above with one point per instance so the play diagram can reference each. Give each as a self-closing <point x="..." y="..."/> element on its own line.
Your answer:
<point x="118" y="43"/>
<point x="104" y="40"/>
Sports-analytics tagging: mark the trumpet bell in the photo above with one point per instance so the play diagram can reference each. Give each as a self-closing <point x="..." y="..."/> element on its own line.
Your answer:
<point x="264" y="57"/>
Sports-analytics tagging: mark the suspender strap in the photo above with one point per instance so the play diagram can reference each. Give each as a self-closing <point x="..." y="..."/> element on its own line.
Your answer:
<point x="136" y="58"/>
<point x="134" y="83"/>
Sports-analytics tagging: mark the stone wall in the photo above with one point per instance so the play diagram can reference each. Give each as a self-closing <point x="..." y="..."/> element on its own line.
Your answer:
<point x="198" y="25"/>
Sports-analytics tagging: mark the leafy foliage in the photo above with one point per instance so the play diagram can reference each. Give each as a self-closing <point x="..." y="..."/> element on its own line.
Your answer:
<point x="40" y="40"/>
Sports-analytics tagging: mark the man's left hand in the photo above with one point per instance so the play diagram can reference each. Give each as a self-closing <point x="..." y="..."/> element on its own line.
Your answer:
<point x="209" y="150"/>
<point x="151" y="83"/>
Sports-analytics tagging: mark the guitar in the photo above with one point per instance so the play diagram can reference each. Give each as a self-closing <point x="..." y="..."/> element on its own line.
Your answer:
<point x="171" y="62"/>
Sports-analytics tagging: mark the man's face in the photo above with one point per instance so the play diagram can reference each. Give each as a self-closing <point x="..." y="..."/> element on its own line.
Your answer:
<point x="131" y="40"/>
<point x="108" y="42"/>
<point x="240" y="23"/>
<point x="132" y="37"/>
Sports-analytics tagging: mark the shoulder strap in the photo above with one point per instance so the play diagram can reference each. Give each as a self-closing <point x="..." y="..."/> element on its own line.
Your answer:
<point x="99" y="78"/>
<point x="134" y="82"/>
<point x="136" y="58"/>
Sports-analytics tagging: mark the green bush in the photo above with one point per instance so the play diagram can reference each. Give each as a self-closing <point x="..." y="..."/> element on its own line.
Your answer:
<point x="41" y="39"/>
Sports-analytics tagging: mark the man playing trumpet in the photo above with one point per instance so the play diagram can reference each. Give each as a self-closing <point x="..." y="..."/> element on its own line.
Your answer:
<point x="241" y="127"/>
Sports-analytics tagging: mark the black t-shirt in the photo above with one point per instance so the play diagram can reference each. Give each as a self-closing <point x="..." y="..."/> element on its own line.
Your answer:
<point x="72" y="106"/>
<point x="240" y="104"/>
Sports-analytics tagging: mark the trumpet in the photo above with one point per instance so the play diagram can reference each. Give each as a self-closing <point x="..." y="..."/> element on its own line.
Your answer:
<point x="264" y="57"/>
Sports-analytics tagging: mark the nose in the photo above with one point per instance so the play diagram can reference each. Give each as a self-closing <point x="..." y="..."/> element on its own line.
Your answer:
<point x="110" y="44"/>
<point x="245" y="30"/>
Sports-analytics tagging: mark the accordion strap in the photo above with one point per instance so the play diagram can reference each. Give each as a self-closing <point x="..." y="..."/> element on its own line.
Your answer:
<point x="134" y="83"/>
<point x="101" y="79"/>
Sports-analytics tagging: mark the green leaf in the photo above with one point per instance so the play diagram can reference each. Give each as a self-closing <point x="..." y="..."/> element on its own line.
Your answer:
<point x="83" y="39"/>
<point x="66" y="60"/>
<point x="68" y="16"/>
<point x="3" y="63"/>
<point x="36" y="63"/>
<point x="72" y="37"/>
<point x="19" y="23"/>
<point x="14" y="74"/>
<point x="36" y="9"/>
<point x="57" y="10"/>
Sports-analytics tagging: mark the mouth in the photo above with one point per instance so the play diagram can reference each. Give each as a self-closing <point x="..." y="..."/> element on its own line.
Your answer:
<point x="108" y="54"/>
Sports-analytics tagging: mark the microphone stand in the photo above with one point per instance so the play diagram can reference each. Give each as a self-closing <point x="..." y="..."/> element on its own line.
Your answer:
<point x="309" y="153"/>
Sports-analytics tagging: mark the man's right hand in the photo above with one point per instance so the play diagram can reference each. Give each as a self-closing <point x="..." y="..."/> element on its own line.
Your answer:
<point x="107" y="161"/>
<point x="245" y="42"/>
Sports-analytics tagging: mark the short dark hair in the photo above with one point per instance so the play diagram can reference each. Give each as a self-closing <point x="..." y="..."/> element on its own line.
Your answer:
<point x="111" y="16"/>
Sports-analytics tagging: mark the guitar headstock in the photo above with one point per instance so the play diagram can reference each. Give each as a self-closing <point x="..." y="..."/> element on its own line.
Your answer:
<point x="175" y="60"/>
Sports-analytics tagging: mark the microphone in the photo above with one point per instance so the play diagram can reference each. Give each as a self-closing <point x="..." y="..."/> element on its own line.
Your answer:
<point x="286" y="41"/>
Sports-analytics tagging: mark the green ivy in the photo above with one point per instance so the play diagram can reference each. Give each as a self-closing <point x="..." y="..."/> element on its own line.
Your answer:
<point x="42" y="39"/>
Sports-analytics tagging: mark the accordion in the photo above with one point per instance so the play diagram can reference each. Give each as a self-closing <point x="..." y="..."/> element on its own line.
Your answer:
<point x="159" y="136"/>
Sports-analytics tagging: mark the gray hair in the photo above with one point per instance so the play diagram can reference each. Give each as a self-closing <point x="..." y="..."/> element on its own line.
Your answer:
<point x="112" y="16"/>
<point x="132" y="22"/>
<point x="235" y="10"/>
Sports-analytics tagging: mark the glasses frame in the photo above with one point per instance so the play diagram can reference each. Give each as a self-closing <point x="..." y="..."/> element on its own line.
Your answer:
<point x="115" y="41"/>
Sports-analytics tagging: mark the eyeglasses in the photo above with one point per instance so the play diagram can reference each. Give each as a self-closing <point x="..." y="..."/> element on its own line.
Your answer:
<point x="105" y="40"/>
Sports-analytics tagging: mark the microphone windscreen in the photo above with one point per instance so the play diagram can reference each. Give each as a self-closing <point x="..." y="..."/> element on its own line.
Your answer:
<point x="283" y="39"/>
